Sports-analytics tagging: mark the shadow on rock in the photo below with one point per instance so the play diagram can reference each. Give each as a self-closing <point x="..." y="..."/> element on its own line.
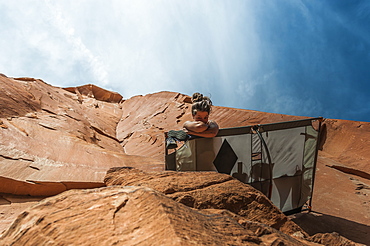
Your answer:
<point x="314" y="223"/>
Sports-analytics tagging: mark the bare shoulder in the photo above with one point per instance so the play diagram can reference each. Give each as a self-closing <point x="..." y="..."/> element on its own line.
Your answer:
<point x="212" y="123"/>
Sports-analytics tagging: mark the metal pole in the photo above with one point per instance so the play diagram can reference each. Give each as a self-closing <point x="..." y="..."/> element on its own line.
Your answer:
<point x="314" y="165"/>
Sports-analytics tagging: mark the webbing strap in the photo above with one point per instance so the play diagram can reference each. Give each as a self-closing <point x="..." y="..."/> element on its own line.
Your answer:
<point x="269" y="159"/>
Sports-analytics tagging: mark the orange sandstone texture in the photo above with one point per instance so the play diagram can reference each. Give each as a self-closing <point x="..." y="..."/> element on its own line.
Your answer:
<point x="55" y="139"/>
<point x="132" y="216"/>
<point x="342" y="187"/>
<point x="51" y="141"/>
<point x="207" y="190"/>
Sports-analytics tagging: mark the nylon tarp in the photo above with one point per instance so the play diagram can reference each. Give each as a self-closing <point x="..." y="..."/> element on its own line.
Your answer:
<point x="279" y="160"/>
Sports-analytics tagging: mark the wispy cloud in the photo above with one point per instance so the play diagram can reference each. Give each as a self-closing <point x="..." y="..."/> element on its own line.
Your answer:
<point x="79" y="51"/>
<point x="292" y="57"/>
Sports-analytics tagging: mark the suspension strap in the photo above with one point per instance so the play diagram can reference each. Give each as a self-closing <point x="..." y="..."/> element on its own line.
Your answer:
<point x="256" y="127"/>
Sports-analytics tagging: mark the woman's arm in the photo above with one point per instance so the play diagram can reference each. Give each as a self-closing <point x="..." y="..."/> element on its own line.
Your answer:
<point x="195" y="128"/>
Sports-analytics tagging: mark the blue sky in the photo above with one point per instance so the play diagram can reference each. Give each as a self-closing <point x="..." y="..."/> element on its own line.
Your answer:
<point x="299" y="57"/>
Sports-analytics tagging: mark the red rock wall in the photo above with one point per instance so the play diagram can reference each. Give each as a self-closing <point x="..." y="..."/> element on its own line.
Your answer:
<point x="54" y="139"/>
<point x="51" y="137"/>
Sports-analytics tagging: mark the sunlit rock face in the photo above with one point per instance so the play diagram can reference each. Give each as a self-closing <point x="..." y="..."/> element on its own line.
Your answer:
<point x="138" y="215"/>
<point x="133" y="216"/>
<point x="95" y="92"/>
<point x="207" y="190"/>
<point x="145" y="118"/>
<point x="342" y="174"/>
<point x="55" y="139"/>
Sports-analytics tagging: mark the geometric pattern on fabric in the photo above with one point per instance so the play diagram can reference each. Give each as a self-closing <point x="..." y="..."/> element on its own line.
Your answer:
<point x="225" y="159"/>
<point x="240" y="153"/>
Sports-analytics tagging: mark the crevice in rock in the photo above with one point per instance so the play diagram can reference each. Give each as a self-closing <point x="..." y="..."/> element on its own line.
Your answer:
<point x="49" y="111"/>
<point x="155" y="140"/>
<point x="177" y="96"/>
<point x="73" y="118"/>
<point x="180" y="115"/>
<point x="118" y="208"/>
<point x="18" y="128"/>
<point x="2" y="125"/>
<point x="6" y="200"/>
<point x="352" y="171"/>
<point x="15" y="159"/>
<point x="160" y="112"/>
<point x="127" y="137"/>
<point x="36" y="168"/>
<point x="104" y="134"/>
<point x="47" y="127"/>
<point x="362" y="186"/>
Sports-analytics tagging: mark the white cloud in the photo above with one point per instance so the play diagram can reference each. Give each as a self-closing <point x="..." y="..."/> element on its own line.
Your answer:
<point x="79" y="50"/>
<point x="244" y="53"/>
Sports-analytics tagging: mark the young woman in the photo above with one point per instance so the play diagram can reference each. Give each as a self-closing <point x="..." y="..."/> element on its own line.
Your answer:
<point x="201" y="126"/>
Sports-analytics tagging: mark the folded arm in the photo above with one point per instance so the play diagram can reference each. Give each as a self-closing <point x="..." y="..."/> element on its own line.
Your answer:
<point x="200" y="129"/>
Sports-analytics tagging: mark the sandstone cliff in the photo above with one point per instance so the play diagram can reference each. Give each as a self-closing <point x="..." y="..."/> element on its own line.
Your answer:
<point x="55" y="139"/>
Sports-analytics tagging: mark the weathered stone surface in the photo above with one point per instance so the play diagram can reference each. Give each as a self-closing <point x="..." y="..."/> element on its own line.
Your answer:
<point x="51" y="141"/>
<point x="15" y="99"/>
<point x="343" y="144"/>
<point x="131" y="216"/>
<point x="324" y="227"/>
<point x="207" y="190"/>
<point x="345" y="141"/>
<point x="333" y="239"/>
<point x="95" y="92"/>
<point x="146" y="118"/>
<point x="11" y="206"/>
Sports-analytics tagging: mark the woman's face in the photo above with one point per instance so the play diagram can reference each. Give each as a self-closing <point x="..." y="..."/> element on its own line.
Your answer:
<point x="201" y="116"/>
